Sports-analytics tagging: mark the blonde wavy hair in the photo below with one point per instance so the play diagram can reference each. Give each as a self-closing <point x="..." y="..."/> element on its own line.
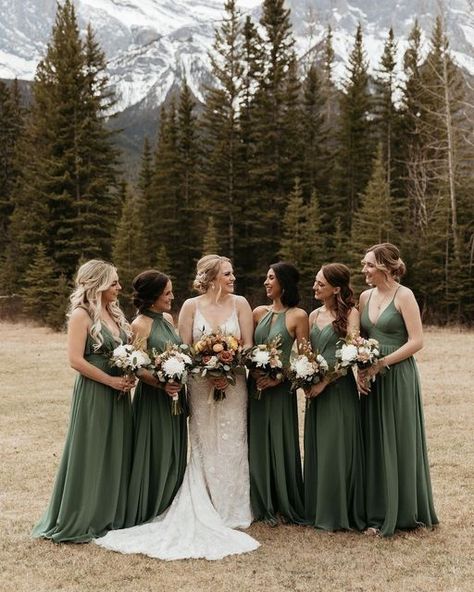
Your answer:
<point x="207" y="269"/>
<point x="92" y="279"/>
<point x="387" y="258"/>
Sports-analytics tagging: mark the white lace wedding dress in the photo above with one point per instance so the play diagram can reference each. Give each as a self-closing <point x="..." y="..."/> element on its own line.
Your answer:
<point x="214" y="497"/>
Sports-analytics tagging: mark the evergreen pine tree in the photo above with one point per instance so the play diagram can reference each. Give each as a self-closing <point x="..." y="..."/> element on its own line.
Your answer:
<point x="210" y="243"/>
<point x="271" y="181"/>
<point x="40" y="289"/>
<point x="11" y="123"/>
<point x="372" y="223"/>
<point x="221" y="131"/>
<point x="64" y="197"/>
<point x="129" y="249"/>
<point x="190" y="196"/>
<point x="356" y="145"/>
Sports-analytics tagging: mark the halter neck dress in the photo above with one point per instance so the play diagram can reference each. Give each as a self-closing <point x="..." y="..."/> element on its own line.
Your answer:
<point x="90" y="493"/>
<point x="276" y="481"/>
<point x="398" y="484"/>
<point x="333" y="457"/>
<point x="160" y="438"/>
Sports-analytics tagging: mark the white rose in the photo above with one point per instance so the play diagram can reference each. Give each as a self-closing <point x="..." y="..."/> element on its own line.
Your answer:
<point x="303" y="367"/>
<point x="348" y="353"/>
<point x="120" y="352"/>
<point x="140" y="359"/>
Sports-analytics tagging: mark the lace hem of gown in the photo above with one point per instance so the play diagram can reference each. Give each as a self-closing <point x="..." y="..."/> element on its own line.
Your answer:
<point x="190" y="528"/>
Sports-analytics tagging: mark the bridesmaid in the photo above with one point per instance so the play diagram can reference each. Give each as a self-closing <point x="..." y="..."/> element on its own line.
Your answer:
<point x="89" y="495"/>
<point x="398" y="486"/>
<point x="276" y="482"/>
<point x="160" y="438"/>
<point x="333" y="452"/>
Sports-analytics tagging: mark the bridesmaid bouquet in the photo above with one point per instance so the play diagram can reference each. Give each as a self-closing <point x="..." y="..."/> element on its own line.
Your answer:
<point x="355" y="350"/>
<point x="265" y="358"/>
<point x="217" y="355"/>
<point x="129" y="358"/>
<point x="306" y="368"/>
<point x="172" y="365"/>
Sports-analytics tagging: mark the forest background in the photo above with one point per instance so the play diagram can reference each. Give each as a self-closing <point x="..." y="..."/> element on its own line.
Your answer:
<point x="279" y="162"/>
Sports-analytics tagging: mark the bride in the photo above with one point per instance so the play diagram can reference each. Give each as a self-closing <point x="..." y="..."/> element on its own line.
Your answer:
<point x="214" y="497"/>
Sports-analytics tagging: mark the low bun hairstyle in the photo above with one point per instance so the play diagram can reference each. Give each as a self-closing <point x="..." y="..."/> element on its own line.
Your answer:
<point x="207" y="269"/>
<point x="387" y="257"/>
<point x="338" y="275"/>
<point x="288" y="277"/>
<point x="147" y="287"/>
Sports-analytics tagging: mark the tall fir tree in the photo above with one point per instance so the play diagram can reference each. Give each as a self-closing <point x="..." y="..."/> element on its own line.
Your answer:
<point x="130" y="253"/>
<point x="250" y="224"/>
<point x="11" y="126"/>
<point x="355" y="134"/>
<point x="165" y="190"/>
<point x="44" y="294"/>
<point x="221" y="130"/>
<point x="372" y="223"/>
<point x="271" y="181"/>
<point x="65" y="194"/>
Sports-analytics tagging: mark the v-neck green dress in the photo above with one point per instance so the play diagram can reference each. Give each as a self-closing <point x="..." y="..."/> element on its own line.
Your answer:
<point x="333" y="448"/>
<point x="398" y="485"/>
<point x="160" y="439"/>
<point x="276" y="482"/>
<point x="90" y="493"/>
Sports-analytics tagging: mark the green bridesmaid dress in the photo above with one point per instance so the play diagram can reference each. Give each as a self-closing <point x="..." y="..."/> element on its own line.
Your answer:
<point x="276" y="482"/>
<point x="160" y="439"/>
<point x="90" y="493"/>
<point x="333" y="448"/>
<point x="398" y="485"/>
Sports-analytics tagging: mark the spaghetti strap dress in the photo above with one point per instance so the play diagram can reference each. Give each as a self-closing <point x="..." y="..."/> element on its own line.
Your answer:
<point x="90" y="493"/>
<point x="398" y="484"/>
<point x="333" y="448"/>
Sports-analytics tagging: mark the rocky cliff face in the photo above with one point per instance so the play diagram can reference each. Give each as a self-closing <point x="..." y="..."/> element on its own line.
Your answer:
<point x="151" y="43"/>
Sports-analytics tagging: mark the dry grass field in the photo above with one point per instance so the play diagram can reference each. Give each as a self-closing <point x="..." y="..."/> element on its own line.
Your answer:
<point x="35" y="394"/>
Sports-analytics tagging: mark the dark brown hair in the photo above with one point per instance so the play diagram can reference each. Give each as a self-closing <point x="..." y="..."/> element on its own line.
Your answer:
<point x="288" y="277"/>
<point x="338" y="275"/>
<point x="147" y="287"/>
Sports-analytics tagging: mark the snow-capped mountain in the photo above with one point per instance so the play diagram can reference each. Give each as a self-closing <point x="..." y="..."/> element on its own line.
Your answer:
<point x="151" y="43"/>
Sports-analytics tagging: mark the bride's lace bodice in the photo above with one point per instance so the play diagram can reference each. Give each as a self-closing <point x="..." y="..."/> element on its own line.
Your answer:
<point x="214" y="497"/>
<point x="201" y="325"/>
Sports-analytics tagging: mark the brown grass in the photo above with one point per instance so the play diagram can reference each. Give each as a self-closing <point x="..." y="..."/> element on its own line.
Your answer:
<point x="36" y="384"/>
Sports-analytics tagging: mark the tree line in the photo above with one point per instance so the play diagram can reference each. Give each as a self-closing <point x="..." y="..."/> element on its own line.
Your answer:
<point x="278" y="163"/>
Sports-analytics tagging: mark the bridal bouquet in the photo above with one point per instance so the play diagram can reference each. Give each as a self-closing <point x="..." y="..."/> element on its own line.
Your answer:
<point x="217" y="355"/>
<point x="355" y="350"/>
<point x="306" y="368"/>
<point x="129" y="358"/>
<point x="172" y="365"/>
<point x="265" y="358"/>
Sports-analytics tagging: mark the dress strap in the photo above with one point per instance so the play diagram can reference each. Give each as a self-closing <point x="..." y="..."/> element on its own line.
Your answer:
<point x="395" y="293"/>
